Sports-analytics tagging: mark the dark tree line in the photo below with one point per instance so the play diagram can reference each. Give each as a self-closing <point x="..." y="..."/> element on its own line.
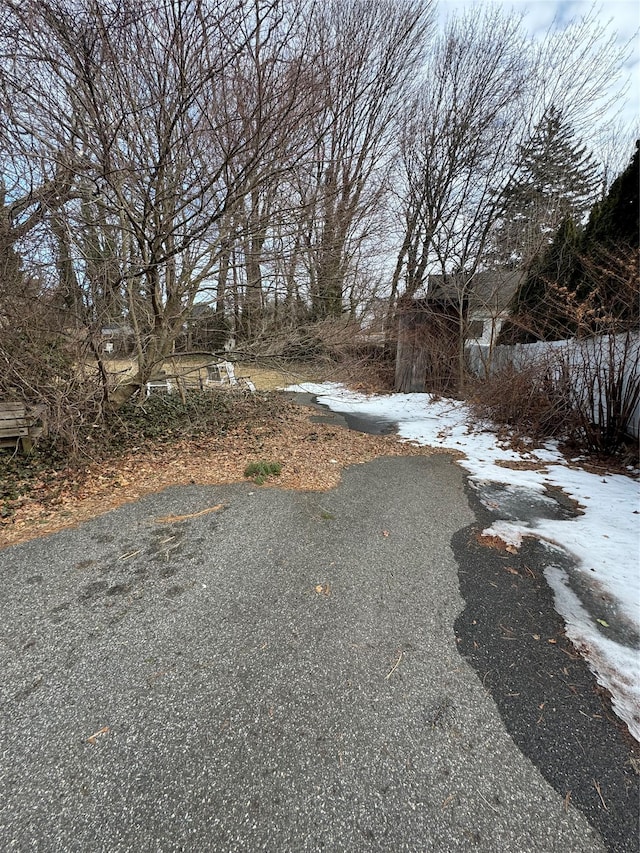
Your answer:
<point x="586" y="281"/>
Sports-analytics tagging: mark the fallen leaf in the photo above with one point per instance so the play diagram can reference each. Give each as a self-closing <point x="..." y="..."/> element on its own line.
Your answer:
<point x="323" y="589"/>
<point x="536" y="636"/>
<point x="602" y="622"/>
<point x="552" y="641"/>
<point x="511" y="570"/>
<point x="96" y="735"/>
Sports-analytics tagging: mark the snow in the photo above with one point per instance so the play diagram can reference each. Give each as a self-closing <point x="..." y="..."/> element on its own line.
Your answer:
<point x="604" y="541"/>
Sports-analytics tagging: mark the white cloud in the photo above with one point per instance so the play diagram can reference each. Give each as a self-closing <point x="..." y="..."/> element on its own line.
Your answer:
<point x="620" y="18"/>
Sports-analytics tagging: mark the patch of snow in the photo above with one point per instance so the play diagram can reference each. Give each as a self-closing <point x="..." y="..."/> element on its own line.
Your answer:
<point x="510" y="533"/>
<point x="604" y="540"/>
<point x="616" y="667"/>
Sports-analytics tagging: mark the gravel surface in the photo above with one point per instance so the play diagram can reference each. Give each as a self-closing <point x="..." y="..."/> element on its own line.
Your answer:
<point x="229" y="668"/>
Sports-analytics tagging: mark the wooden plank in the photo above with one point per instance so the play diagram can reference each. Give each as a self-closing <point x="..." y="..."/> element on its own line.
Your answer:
<point x="17" y="427"/>
<point x="24" y="441"/>
<point x="13" y="423"/>
<point x="14" y="430"/>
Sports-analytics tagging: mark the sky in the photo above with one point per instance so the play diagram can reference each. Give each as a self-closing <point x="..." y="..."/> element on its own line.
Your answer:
<point x="622" y="16"/>
<point x="603" y="542"/>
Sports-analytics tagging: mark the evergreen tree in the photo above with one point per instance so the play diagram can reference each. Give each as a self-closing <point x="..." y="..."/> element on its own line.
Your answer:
<point x="541" y="306"/>
<point x="586" y="281"/>
<point x="607" y="273"/>
<point x="557" y="179"/>
<point x="615" y="218"/>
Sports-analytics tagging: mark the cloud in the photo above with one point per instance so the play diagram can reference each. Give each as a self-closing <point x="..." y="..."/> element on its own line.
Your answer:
<point x="620" y="18"/>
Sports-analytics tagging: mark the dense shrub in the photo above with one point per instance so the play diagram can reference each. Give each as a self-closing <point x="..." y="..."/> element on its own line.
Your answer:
<point x="532" y="401"/>
<point x="585" y="391"/>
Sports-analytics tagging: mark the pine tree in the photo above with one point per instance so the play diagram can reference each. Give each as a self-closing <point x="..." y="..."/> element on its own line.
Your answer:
<point x="540" y="307"/>
<point x="586" y="281"/>
<point x="557" y="178"/>
<point x="615" y="218"/>
<point x="607" y="273"/>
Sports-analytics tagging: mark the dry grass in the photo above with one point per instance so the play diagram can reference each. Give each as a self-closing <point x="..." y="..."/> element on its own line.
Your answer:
<point x="271" y="377"/>
<point x="266" y="376"/>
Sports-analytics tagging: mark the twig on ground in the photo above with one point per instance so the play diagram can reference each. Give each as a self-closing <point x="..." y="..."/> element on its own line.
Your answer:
<point x="488" y="803"/>
<point x="103" y="731"/>
<point x="395" y="666"/>
<point x="597" y="787"/>
<point x="171" y="519"/>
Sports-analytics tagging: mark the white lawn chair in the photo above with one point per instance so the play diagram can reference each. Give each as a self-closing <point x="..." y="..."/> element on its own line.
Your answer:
<point x="158" y="386"/>
<point x="223" y="373"/>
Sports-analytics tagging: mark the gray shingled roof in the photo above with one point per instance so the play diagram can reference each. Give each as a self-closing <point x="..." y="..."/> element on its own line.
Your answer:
<point x="491" y="290"/>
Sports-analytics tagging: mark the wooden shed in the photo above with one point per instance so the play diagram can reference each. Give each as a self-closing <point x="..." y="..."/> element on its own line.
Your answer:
<point x="428" y="345"/>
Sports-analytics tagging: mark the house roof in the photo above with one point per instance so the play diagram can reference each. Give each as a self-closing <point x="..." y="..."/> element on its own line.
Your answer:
<point x="201" y="309"/>
<point x="489" y="291"/>
<point x="116" y="330"/>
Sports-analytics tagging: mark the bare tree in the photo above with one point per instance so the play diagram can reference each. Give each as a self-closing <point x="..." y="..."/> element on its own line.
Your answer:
<point x="157" y="153"/>
<point x="168" y="140"/>
<point x="270" y="89"/>
<point x="464" y="138"/>
<point x="369" y="55"/>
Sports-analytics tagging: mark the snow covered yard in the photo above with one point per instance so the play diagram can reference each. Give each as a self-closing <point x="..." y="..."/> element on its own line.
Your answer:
<point x="604" y="541"/>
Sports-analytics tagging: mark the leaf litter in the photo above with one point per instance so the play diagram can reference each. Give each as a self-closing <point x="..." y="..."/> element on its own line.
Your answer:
<point x="312" y="457"/>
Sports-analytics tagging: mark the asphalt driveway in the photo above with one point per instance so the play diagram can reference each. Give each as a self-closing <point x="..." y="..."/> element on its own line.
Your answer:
<point x="241" y="668"/>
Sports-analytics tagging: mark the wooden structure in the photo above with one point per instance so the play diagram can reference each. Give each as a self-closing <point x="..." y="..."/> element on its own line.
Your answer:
<point x="19" y="425"/>
<point x="488" y="294"/>
<point x="430" y="348"/>
<point x="427" y="356"/>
